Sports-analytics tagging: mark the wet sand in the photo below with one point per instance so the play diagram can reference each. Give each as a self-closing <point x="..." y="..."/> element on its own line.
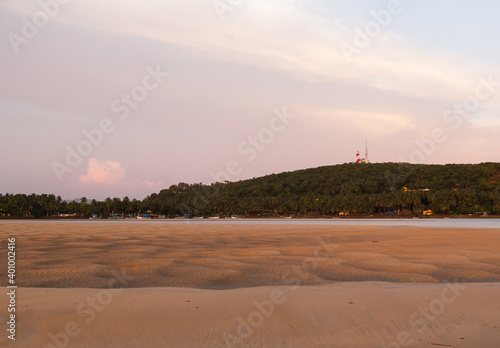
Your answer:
<point x="216" y="256"/>
<point x="195" y="285"/>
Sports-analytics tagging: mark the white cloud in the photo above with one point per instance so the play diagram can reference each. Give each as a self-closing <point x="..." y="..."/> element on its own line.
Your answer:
<point x="372" y="124"/>
<point x="301" y="44"/>
<point x="103" y="173"/>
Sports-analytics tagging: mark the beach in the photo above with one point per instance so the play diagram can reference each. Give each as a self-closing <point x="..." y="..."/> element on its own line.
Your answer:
<point x="212" y="285"/>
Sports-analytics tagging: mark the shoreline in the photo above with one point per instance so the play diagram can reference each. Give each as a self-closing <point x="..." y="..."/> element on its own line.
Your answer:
<point x="351" y="217"/>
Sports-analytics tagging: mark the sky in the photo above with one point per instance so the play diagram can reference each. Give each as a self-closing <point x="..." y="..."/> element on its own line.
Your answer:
<point x="125" y="98"/>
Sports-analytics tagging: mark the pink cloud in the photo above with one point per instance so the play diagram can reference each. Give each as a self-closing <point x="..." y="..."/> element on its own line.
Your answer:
<point x="103" y="173"/>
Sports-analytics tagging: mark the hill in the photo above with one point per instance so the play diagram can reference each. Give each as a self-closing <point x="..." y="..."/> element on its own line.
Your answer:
<point x="348" y="188"/>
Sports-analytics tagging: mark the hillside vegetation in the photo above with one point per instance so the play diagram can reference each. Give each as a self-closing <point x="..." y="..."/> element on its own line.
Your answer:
<point x="348" y="188"/>
<point x="354" y="189"/>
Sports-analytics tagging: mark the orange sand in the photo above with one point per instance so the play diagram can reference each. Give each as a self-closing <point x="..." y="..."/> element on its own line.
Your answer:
<point x="276" y="286"/>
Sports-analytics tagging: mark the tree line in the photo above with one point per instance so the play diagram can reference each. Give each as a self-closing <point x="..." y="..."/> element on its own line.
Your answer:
<point x="48" y="205"/>
<point x="354" y="189"/>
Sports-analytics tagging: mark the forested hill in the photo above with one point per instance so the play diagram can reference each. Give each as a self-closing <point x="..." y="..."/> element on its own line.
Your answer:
<point x="348" y="188"/>
<point x="354" y="189"/>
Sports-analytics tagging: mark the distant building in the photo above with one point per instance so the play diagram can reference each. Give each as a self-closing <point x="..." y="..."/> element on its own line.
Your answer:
<point x="363" y="160"/>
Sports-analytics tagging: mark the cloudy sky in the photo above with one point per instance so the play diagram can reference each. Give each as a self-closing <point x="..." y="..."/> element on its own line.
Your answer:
<point x="115" y="98"/>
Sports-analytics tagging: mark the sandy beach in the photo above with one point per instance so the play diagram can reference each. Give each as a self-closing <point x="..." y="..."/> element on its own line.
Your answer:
<point x="214" y="285"/>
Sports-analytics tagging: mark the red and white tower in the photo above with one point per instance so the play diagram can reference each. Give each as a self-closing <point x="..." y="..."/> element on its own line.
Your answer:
<point x="365" y="159"/>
